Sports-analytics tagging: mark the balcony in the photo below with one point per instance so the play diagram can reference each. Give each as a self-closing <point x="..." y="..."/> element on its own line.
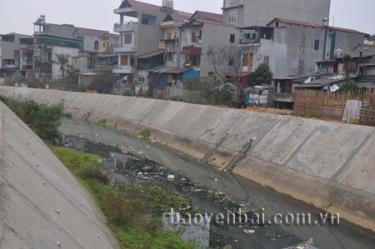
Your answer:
<point x="168" y="24"/>
<point x="27" y="67"/>
<point x="233" y="3"/>
<point x="125" y="11"/>
<point x="126" y="48"/>
<point x="123" y="69"/>
<point x="126" y="27"/>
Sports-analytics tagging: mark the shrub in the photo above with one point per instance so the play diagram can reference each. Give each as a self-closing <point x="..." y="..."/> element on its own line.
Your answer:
<point x="261" y="75"/>
<point x="44" y="120"/>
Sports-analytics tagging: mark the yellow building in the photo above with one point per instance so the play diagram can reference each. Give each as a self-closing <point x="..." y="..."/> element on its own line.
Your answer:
<point x="170" y="40"/>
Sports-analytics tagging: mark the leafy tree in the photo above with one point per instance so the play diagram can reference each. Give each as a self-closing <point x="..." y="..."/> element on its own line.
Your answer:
<point x="262" y="75"/>
<point x="72" y="75"/>
<point x="63" y="61"/>
<point x="349" y="86"/>
<point x="221" y="90"/>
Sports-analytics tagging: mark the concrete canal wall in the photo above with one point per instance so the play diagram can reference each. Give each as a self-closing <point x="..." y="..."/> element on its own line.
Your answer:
<point x="329" y="165"/>
<point x="41" y="204"/>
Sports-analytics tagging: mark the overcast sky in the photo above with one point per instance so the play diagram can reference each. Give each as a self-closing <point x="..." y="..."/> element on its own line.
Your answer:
<point x="18" y="15"/>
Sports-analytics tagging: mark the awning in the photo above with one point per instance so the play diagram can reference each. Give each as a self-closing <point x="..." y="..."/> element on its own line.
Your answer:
<point x="150" y="54"/>
<point x="192" y="50"/>
<point x="171" y="70"/>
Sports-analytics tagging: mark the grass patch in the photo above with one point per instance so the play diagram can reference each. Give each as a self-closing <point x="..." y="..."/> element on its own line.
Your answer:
<point x="132" y="211"/>
<point x="145" y="134"/>
<point x="102" y="123"/>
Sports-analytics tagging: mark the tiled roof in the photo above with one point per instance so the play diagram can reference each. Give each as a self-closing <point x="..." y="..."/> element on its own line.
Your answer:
<point x="313" y="25"/>
<point x="144" y="7"/>
<point x="209" y="16"/>
<point x="180" y="16"/>
<point x="95" y="32"/>
<point x="347" y="30"/>
<point x="367" y="51"/>
<point x="296" y="22"/>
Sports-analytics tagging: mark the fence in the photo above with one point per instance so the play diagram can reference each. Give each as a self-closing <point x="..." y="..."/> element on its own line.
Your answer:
<point x="328" y="105"/>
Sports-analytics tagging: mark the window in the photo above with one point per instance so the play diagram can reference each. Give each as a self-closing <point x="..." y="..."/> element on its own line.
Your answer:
<point x="232" y="38"/>
<point x="316" y="44"/>
<point x="193" y="37"/>
<point x="232" y="18"/>
<point x="266" y="60"/>
<point x="145" y="21"/>
<point x="231" y="62"/>
<point x="96" y="45"/>
<point x="128" y="39"/>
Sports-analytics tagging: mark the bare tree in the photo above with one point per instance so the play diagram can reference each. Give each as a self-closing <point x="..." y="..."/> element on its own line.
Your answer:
<point x="235" y="55"/>
<point x="216" y="57"/>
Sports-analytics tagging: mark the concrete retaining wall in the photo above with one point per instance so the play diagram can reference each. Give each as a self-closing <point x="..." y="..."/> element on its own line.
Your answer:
<point x="330" y="165"/>
<point x="41" y="204"/>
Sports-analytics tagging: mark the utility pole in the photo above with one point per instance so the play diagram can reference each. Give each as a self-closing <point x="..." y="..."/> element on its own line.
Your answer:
<point x="180" y="30"/>
<point x="325" y="25"/>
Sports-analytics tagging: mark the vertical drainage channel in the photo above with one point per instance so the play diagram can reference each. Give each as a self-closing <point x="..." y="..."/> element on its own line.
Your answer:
<point x="239" y="156"/>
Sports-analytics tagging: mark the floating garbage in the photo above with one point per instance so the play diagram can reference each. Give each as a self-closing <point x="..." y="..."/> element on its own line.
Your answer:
<point x="249" y="231"/>
<point x="171" y="177"/>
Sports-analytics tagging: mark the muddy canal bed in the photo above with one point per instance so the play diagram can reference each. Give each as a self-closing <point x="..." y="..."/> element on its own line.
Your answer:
<point x="103" y="140"/>
<point x="132" y="168"/>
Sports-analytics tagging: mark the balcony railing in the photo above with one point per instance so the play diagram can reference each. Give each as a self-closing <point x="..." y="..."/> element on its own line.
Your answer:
<point x="126" y="27"/>
<point x="124" y="48"/>
<point x="122" y="69"/>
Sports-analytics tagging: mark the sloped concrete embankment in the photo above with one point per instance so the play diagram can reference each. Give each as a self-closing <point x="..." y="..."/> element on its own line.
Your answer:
<point x="41" y="204"/>
<point x="329" y="165"/>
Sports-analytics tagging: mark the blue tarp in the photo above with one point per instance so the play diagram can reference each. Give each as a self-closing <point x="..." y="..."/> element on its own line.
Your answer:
<point x="191" y="74"/>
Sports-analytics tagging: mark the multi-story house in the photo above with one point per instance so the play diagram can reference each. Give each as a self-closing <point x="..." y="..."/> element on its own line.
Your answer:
<point x="50" y="41"/>
<point x="143" y="45"/>
<point x="171" y="37"/>
<point x="292" y="47"/>
<point x="10" y="54"/>
<point x="244" y="13"/>
<point x="139" y="34"/>
<point x="97" y="50"/>
<point x="82" y="46"/>
<point x="26" y="57"/>
<point x="204" y="31"/>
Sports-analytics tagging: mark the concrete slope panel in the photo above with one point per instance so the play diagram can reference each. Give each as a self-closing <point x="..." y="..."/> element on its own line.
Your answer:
<point x="41" y="204"/>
